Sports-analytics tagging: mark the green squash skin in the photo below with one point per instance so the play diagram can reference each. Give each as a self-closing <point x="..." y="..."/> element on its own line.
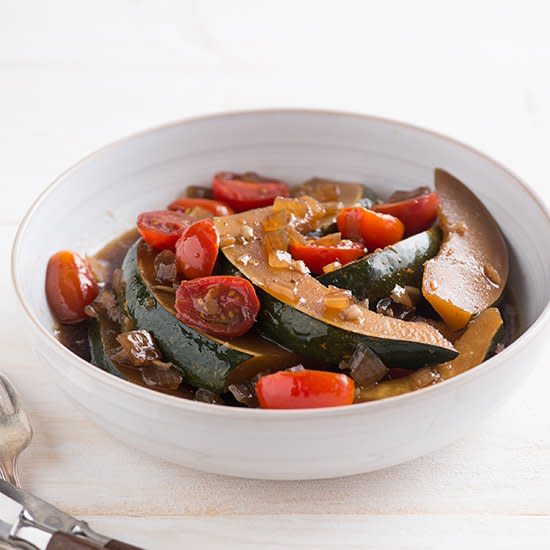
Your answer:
<point x="204" y="362"/>
<point x="375" y="275"/>
<point x="99" y="356"/>
<point x="321" y="341"/>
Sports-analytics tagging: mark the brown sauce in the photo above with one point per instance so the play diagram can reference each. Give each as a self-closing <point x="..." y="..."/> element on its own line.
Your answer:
<point x="75" y="337"/>
<point x="109" y="258"/>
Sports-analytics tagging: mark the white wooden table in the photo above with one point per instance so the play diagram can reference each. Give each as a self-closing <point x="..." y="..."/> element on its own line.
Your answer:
<point x="76" y="75"/>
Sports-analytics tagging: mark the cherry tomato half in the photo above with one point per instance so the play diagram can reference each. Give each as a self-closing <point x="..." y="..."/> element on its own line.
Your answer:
<point x="417" y="214"/>
<point x="305" y="389"/>
<point x="247" y="191"/>
<point x="70" y="286"/>
<point x="222" y="306"/>
<point x="162" y="228"/>
<point x="376" y="230"/>
<point x="197" y="249"/>
<point x="217" y="208"/>
<point x="316" y="257"/>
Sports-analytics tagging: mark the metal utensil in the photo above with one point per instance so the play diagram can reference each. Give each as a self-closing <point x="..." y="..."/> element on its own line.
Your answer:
<point x="27" y="521"/>
<point x="19" y="527"/>
<point x="15" y="431"/>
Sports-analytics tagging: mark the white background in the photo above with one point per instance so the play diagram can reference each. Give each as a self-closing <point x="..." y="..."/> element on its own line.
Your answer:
<point x="75" y="75"/>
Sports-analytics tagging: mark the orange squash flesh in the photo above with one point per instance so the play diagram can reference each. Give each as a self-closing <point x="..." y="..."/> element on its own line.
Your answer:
<point x="471" y="269"/>
<point x="474" y="346"/>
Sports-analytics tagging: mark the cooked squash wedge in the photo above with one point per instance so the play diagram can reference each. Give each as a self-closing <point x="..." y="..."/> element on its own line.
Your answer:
<point x="471" y="269"/>
<point x="374" y="276"/>
<point x="206" y="361"/>
<point x="102" y="335"/>
<point x="294" y="312"/>
<point x="474" y="346"/>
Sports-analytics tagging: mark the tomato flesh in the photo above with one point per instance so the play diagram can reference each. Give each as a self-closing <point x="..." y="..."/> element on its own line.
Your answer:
<point x="417" y="214"/>
<point x="70" y="286"/>
<point x="375" y="229"/>
<point x="216" y="208"/>
<point x="197" y="249"/>
<point x="247" y="191"/>
<point x="221" y="306"/>
<point x="305" y="389"/>
<point x="316" y="257"/>
<point x="162" y="228"/>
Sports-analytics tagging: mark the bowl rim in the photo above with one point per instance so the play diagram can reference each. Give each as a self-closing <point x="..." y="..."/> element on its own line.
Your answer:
<point x="279" y="414"/>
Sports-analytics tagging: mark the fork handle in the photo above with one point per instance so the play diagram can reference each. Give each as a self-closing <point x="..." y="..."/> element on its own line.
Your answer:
<point x="64" y="541"/>
<point x="118" y="545"/>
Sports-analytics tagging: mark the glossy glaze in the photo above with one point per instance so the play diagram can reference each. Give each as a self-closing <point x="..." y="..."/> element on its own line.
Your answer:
<point x="375" y="275"/>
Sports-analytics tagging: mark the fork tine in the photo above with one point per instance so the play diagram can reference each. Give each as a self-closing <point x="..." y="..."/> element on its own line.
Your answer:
<point x="9" y="402"/>
<point x="15" y="431"/>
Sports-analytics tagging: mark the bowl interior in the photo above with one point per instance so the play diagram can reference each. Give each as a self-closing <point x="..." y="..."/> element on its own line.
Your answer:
<point x="101" y="196"/>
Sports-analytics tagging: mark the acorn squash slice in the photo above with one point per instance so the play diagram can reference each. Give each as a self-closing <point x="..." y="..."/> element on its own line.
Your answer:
<point x="293" y="312"/>
<point x="471" y="269"/>
<point x="375" y="275"/>
<point x="474" y="346"/>
<point x="206" y="361"/>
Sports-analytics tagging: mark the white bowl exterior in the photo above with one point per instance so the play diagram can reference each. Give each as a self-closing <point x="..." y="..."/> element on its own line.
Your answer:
<point x="101" y="197"/>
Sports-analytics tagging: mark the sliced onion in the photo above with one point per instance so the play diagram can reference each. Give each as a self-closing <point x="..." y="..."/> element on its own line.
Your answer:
<point x="292" y="206"/>
<point x="337" y="299"/>
<point x="165" y="267"/>
<point x="322" y="190"/>
<point x="275" y="241"/>
<point x="105" y="305"/>
<point x="161" y="378"/>
<point x="139" y="346"/>
<point x="207" y="396"/>
<point x="364" y="366"/>
<point x="288" y="293"/>
<point x="332" y="239"/>
<point x="315" y="210"/>
<point x="295" y="237"/>
<point x="274" y="221"/>
<point x="296" y="368"/>
<point x="353" y="314"/>
<point x="333" y="266"/>
<point x="245" y="393"/>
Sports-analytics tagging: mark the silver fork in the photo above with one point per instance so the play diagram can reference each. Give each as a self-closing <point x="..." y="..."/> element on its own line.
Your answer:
<point x="15" y="431"/>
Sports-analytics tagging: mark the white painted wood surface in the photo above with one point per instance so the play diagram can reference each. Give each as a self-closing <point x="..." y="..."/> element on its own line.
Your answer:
<point x="76" y="75"/>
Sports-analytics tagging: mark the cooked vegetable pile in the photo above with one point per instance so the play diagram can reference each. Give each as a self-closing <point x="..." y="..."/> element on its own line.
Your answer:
<point x="252" y="293"/>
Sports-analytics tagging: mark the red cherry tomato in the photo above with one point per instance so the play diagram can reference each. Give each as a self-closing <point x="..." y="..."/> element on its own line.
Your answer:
<point x="417" y="214"/>
<point x="162" y="228"/>
<point x="222" y="306"/>
<point x="215" y="207"/>
<point x="197" y="249"/>
<point x="316" y="257"/>
<point x="247" y="191"/>
<point x="374" y="229"/>
<point x="306" y="389"/>
<point x="70" y="286"/>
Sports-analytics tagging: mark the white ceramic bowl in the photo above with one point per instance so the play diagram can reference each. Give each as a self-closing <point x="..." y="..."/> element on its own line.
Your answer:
<point x="100" y="197"/>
